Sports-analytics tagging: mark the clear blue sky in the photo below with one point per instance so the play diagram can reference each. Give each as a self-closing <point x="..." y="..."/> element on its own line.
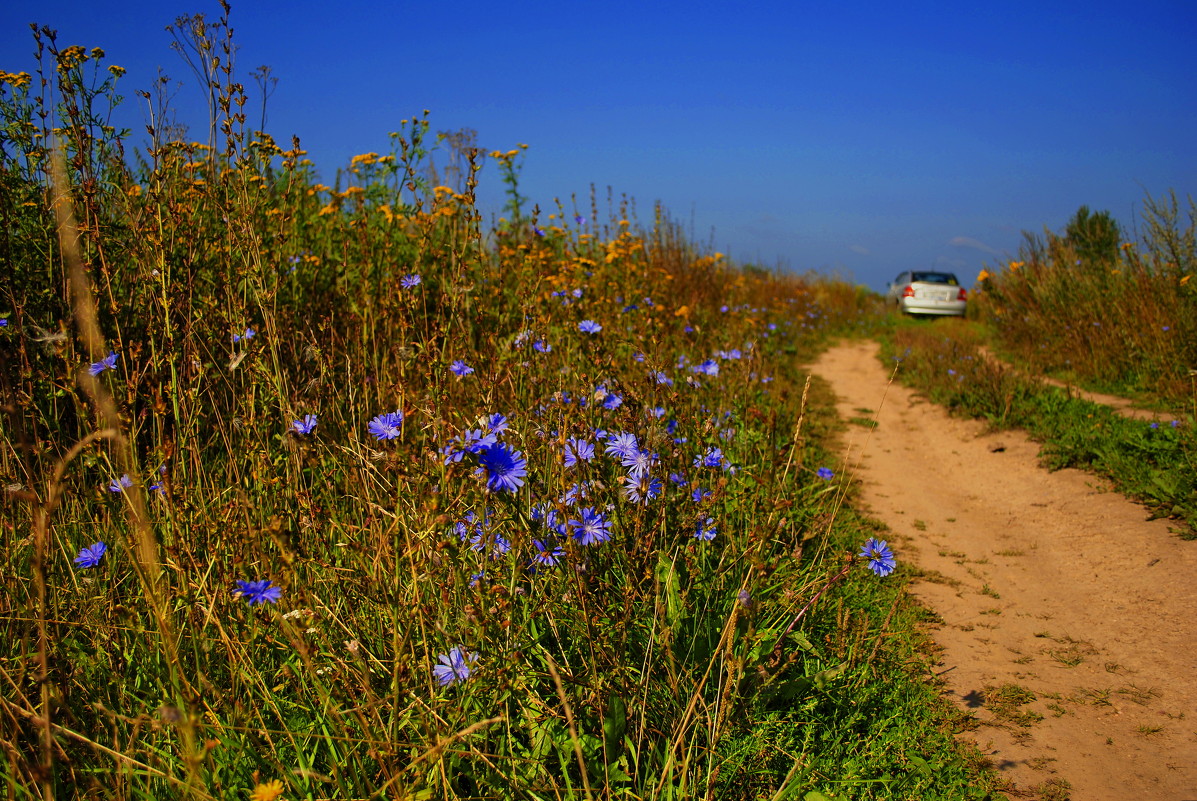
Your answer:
<point x="863" y="138"/>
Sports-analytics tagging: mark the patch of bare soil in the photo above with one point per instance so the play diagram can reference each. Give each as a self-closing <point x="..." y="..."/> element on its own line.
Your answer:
<point x="1069" y="620"/>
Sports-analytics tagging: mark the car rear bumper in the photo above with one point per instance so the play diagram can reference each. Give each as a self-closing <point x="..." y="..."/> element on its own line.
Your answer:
<point x="942" y="307"/>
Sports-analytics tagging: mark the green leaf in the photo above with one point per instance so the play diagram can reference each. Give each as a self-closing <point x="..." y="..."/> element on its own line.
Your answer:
<point x="615" y="723"/>
<point x="670" y="586"/>
<point x="822" y="678"/>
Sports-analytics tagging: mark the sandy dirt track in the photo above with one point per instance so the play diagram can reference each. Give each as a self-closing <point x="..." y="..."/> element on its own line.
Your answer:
<point x="1046" y="582"/>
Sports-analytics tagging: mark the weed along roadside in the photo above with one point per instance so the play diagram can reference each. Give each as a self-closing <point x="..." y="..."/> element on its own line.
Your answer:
<point x="330" y="493"/>
<point x="1058" y="608"/>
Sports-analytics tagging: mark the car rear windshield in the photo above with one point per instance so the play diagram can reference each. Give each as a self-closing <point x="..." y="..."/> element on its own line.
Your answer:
<point x="934" y="278"/>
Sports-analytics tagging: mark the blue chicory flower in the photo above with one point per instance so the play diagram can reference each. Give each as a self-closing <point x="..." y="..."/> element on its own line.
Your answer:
<point x="577" y="450"/>
<point x="505" y="468"/>
<point x="305" y="425"/>
<point x="589" y="327"/>
<point x="576" y="493"/>
<point x="107" y="363"/>
<point x="881" y="558"/>
<point x="642" y="489"/>
<point x="454" y="666"/>
<point x="474" y="441"/>
<point x="825" y="473"/>
<point x="591" y="528"/>
<point x="712" y="458"/>
<point x="622" y="445"/>
<point x="640" y="462"/>
<point x="90" y="557"/>
<point x="386" y="426"/>
<point x="121" y="484"/>
<point x="410" y="281"/>
<point x="257" y="592"/>
<point x="548" y="554"/>
<point x="706" y="530"/>
<point x="460" y="368"/>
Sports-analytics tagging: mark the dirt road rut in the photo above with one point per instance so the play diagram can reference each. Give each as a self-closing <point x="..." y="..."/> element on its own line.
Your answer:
<point x="1068" y="618"/>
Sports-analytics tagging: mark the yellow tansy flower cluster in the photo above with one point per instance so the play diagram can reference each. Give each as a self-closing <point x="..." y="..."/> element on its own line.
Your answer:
<point x="17" y="80"/>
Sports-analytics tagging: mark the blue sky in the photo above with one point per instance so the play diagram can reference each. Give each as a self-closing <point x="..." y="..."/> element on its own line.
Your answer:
<point x="856" y="138"/>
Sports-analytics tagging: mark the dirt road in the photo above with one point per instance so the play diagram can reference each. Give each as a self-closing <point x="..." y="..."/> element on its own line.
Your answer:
<point x="1068" y="619"/>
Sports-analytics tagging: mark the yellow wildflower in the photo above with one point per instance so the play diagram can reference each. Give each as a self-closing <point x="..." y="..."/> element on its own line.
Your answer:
<point x="1185" y="280"/>
<point x="267" y="791"/>
<point x="1014" y="265"/>
<point x="984" y="275"/>
<point x="16" y="80"/>
<point x="71" y="56"/>
<point x="116" y="71"/>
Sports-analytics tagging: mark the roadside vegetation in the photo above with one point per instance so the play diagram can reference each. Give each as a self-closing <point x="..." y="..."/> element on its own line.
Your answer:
<point x="1112" y="309"/>
<point x="335" y="491"/>
<point x="1087" y="307"/>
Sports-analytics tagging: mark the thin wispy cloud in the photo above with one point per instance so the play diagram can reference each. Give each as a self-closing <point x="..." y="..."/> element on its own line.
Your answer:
<point x="863" y="251"/>
<point x="973" y="244"/>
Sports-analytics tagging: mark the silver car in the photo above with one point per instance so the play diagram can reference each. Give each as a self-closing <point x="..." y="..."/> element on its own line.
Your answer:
<point x="927" y="292"/>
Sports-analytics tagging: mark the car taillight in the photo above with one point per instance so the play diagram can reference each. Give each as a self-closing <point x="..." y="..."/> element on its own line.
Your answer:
<point x="908" y="291"/>
<point x="962" y="295"/>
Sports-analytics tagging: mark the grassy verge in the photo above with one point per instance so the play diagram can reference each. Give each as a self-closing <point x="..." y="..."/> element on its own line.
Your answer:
<point x="1154" y="463"/>
<point x="882" y="729"/>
